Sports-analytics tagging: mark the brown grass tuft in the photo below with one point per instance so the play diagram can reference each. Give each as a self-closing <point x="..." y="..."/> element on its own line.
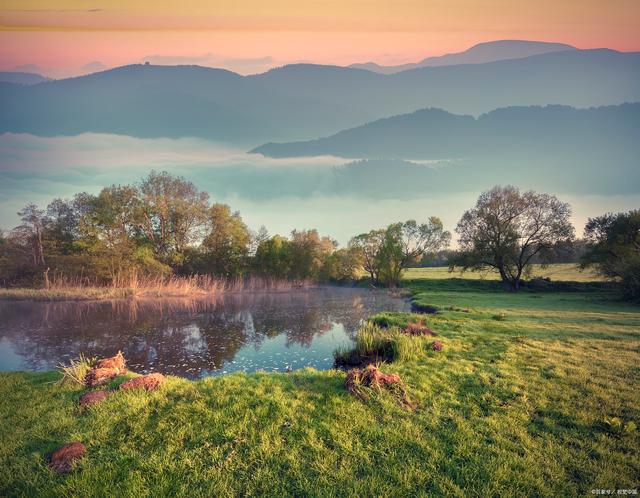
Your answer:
<point x="64" y="458"/>
<point x="149" y="382"/>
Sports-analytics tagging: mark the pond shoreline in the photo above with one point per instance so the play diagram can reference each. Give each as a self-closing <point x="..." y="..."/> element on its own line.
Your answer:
<point x="191" y="336"/>
<point x="108" y="293"/>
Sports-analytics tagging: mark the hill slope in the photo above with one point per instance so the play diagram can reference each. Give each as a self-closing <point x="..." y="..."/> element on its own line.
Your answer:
<point x="434" y="133"/>
<point x="543" y="147"/>
<point x="21" y="78"/>
<point x="302" y="101"/>
<point x="478" y="54"/>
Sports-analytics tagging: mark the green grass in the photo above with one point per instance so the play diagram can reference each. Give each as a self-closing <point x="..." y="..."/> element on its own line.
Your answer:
<point x="69" y="294"/>
<point x="520" y="406"/>
<point x="388" y="344"/>
<point x="565" y="272"/>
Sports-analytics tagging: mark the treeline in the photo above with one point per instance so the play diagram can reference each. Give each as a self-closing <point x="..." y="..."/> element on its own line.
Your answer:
<point x="164" y="226"/>
<point x="565" y="252"/>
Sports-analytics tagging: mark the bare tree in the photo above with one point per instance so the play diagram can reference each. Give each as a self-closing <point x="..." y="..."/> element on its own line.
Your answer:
<point x="31" y="229"/>
<point x="506" y="229"/>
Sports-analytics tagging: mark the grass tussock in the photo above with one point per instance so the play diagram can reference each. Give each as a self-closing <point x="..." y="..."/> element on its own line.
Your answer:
<point x="369" y="382"/>
<point x="76" y="371"/>
<point x="374" y="345"/>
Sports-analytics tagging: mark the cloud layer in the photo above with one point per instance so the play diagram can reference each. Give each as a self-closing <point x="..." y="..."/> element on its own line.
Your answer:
<point x="281" y="194"/>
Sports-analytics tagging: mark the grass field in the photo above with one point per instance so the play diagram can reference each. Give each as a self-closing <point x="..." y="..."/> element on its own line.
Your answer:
<point x="565" y="272"/>
<point x="534" y="394"/>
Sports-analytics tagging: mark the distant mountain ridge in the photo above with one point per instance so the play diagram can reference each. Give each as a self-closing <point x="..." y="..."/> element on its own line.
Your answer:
<point x="21" y="78"/>
<point x="302" y="101"/>
<point x="430" y="134"/>
<point x="577" y="150"/>
<point x="478" y="54"/>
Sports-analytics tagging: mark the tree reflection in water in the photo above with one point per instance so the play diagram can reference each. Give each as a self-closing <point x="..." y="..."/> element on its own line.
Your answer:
<point x="191" y="337"/>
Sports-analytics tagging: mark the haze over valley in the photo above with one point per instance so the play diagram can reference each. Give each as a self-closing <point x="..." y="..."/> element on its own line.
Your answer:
<point x="538" y="115"/>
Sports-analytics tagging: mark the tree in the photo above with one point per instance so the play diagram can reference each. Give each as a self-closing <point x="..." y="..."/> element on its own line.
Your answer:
<point x="343" y="265"/>
<point x="108" y="233"/>
<point x="613" y="246"/>
<point x="226" y="243"/>
<point x="405" y="243"/>
<point x="61" y="227"/>
<point x="257" y="238"/>
<point x="308" y="252"/>
<point x="172" y="214"/>
<point x="368" y="245"/>
<point x="273" y="258"/>
<point x="31" y="230"/>
<point x="506" y="229"/>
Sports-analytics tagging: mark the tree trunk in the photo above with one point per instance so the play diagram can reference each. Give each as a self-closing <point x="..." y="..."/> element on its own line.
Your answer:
<point x="509" y="283"/>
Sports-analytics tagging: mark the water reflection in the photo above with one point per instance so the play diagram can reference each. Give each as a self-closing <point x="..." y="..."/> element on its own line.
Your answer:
<point x="187" y="337"/>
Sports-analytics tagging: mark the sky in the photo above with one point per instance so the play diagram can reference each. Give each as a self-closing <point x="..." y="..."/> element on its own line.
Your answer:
<point x="71" y="37"/>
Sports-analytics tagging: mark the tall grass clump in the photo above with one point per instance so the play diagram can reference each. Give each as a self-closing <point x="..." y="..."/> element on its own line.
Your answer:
<point x="374" y="344"/>
<point x="76" y="371"/>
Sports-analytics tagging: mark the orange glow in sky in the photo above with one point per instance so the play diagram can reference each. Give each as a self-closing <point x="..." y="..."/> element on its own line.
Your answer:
<point x="62" y="37"/>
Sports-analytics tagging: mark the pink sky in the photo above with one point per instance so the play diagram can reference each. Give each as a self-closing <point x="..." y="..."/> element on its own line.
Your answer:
<point x="61" y="38"/>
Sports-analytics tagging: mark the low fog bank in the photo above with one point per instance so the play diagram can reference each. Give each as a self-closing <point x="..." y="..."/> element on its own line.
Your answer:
<point x="340" y="197"/>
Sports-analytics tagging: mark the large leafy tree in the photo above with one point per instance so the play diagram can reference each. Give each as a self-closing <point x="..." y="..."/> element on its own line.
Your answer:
<point x="343" y="265"/>
<point x="172" y="214"/>
<point x="308" y="251"/>
<point x="405" y="243"/>
<point x="107" y="231"/>
<point x="226" y="244"/>
<point x="613" y="246"/>
<point x="506" y="229"/>
<point x="273" y="257"/>
<point x="368" y="246"/>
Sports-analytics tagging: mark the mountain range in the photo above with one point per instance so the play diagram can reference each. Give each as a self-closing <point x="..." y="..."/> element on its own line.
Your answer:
<point x="21" y="78"/>
<point x="478" y="54"/>
<point x="552" y="146"/>
<point x="302" y="101"/>
<point x="430" y="134"/>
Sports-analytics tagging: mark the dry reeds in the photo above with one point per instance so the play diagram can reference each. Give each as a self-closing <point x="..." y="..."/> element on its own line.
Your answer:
<point x="134" y="284"/>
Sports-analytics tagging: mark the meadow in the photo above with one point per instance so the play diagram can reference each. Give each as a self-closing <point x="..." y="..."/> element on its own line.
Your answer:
<point x="565" y="272"/>
<point x="533" y="394"/>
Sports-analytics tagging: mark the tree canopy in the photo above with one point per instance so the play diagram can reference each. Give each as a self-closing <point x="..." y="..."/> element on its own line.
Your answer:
<point x="507" y="229"/>
<point x="613" y="246"/>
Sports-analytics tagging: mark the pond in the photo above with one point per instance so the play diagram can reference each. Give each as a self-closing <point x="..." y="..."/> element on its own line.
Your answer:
<point x="191" y="337"/>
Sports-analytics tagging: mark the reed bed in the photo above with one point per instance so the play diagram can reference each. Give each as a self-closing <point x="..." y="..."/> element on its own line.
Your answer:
<point x="61" y="287"/>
